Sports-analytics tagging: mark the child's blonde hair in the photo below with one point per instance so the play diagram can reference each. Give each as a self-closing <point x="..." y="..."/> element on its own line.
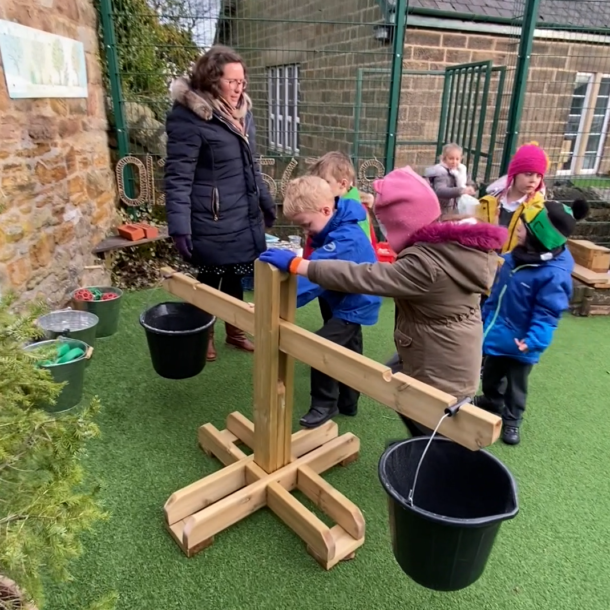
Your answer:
<point x="449" y="147"/>
<point x="335" y="164"/>
<point x="307" y="194"/>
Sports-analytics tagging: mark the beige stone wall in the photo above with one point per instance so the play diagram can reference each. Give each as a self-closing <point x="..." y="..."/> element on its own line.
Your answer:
<point x="57" y="183"/>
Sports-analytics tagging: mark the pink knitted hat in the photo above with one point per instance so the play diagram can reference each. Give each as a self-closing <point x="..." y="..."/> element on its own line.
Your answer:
<point x="405" y="203"/>
<point x="529" y="158"/>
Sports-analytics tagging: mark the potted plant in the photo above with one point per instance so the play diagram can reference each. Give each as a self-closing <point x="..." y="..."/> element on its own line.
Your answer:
<point x="44" y="502"/>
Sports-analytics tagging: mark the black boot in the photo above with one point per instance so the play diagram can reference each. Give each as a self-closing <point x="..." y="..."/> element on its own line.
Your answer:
<point x="316" y="416"/>
<point x="510" y="435"/>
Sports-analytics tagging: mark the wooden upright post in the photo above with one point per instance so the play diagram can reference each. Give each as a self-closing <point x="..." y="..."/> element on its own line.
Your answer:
<point x="273" y="370"/>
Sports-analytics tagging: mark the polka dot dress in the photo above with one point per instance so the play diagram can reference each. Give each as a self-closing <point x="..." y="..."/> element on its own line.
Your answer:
<point x="236" y="269"/>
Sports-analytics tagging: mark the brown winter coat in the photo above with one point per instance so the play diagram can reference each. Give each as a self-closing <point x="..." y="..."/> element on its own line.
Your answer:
<point x="437" y="282"/>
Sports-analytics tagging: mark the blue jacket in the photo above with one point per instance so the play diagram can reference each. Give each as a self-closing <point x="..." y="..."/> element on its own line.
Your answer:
<point x="343" y="239"/>
<point x="526" y="303"/>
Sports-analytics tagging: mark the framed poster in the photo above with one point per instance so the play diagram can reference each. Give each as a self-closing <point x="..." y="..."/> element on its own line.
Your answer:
<point x="39" y="64"/>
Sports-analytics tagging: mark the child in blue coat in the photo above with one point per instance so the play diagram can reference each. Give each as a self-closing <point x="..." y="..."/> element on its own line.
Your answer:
<point x="532" y="290"/>
<point x="334" y="227"/>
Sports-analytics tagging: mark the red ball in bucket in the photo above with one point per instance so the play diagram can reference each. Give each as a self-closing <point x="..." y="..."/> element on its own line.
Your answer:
<point x="83" y="295"/>
<point x="109" y="296"/>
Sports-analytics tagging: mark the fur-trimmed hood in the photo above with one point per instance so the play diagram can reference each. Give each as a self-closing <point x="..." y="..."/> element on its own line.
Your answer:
<point x="467" y="232"/>
<point x="200" y="103"/>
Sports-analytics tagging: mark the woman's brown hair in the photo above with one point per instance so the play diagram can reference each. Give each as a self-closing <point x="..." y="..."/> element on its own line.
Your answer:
<point x="208" y="70"/>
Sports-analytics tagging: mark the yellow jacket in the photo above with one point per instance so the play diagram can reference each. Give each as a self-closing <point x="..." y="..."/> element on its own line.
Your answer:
<point x="489" y="211"/>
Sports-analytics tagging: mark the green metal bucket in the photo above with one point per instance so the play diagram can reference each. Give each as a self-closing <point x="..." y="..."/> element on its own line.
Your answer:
<point x="73" y="373"/>
<point x="70" y="323"/>
<point x="108" y="312"/>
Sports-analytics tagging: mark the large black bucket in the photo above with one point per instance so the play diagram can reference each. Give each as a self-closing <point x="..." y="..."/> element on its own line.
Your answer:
<point x="177" y="335"/>
<point x="443" y="534"/>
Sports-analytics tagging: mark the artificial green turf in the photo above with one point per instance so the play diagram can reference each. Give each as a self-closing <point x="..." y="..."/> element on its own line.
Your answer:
<point x="553" y="556"/>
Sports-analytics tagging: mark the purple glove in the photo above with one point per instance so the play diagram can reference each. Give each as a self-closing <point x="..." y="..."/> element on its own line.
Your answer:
<point x="278" y="258"/>
<point x="184" y="245"/>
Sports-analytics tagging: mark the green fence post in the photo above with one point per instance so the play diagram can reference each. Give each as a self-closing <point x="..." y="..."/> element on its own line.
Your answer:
<point x="116" y="90"/>
<point x="400" y="22"/>
<point x="515" y="110"/>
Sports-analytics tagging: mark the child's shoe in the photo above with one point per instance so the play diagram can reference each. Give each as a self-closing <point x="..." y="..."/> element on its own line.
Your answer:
<point x="316" y="416"/>
<point x="510" y="435"/>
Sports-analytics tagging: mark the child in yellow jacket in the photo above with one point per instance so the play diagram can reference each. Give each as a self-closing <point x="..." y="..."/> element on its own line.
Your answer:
<point x="524" y="188"/>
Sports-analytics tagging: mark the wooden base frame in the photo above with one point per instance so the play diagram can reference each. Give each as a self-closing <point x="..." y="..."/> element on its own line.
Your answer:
<point x="196" y="513"/>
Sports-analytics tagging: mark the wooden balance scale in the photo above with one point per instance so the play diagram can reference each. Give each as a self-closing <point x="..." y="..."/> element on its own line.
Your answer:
<point x="283" y="461"/>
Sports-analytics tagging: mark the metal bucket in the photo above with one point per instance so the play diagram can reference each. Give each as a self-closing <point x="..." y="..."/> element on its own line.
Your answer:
<point x="73" y="373"/>
<point x="108" y="312"/>
<point x="70" y="323"/>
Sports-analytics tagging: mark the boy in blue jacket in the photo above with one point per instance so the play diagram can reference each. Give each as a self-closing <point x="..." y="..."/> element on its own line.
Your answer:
<point x="532" y="290"/>
<point x="334" y="228"/>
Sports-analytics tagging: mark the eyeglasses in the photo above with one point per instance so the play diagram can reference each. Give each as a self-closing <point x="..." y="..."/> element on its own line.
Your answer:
<point x="235" y="83"/>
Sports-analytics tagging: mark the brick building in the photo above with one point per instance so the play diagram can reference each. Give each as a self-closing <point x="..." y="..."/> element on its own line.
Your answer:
<point x="319" y="76"/>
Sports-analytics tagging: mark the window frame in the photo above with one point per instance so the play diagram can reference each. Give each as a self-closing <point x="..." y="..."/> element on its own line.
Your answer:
<point x="283" y="115"/>
<point x="588" y="109"/>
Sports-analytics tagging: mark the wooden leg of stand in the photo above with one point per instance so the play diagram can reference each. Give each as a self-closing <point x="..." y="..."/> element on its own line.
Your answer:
<point x="332" y="502"/>
<point x="213" y="442"/>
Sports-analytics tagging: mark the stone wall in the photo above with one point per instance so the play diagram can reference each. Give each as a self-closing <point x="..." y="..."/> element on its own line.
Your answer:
<point x="57" y="183"/>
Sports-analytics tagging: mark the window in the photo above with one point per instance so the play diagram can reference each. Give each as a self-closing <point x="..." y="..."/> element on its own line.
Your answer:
<point x="284" y="121"/>
<point x="587" y="125"/>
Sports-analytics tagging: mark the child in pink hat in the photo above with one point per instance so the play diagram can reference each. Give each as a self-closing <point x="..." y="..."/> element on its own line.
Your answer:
<point x="441" y="270"/>
<point x="523" y="187"/>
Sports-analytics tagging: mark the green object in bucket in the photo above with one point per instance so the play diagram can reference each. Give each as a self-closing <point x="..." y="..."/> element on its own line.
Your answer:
<point x="71" y="372"/>
<point x="70" y="323"/>
<point x="108" y="312"/>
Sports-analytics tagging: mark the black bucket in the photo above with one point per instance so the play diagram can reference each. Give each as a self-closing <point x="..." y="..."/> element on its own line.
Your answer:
<point x="177" y="335"/>
<point x="443" y="534"/>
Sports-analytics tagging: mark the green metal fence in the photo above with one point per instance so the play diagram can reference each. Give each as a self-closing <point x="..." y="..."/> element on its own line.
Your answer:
<point x="382" y="82"/>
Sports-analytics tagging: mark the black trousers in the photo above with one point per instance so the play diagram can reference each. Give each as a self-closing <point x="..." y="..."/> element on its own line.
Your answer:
<point x="326" y="392"/>
<point x="504" y="387"/>
<point x="228" y="283"/>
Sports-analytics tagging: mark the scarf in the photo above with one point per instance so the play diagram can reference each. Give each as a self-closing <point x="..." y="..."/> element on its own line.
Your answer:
<point x="235" y="116"/>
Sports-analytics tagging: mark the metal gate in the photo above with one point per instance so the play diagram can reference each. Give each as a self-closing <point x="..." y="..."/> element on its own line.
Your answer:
<point x="470" y="91"/>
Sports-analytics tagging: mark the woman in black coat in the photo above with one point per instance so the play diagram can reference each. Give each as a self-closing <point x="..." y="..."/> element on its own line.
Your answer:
<point x="217" y="203"/>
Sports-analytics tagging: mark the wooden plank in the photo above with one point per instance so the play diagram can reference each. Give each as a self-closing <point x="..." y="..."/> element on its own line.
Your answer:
<point x="213" y="442"/>
<point x="331" y="501"/>
<point x="205" y="492"/>
<point x="313" y="531"/>
<point x="305" y="441"/>
<point x="472" y="427"/>
<point x="213" y="301"/>
<point x="241" y="427"/>
<point x="206" y="523"/>
<point x="345" y="548"/>
<point x="589" y="255"/>
<point x="589" y="277"/>
<point x="269" y="389"/>
<point x="116" y="242"/>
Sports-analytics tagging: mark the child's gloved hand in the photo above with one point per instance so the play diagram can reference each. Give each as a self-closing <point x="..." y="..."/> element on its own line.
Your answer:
<point x="278" y="258"/>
